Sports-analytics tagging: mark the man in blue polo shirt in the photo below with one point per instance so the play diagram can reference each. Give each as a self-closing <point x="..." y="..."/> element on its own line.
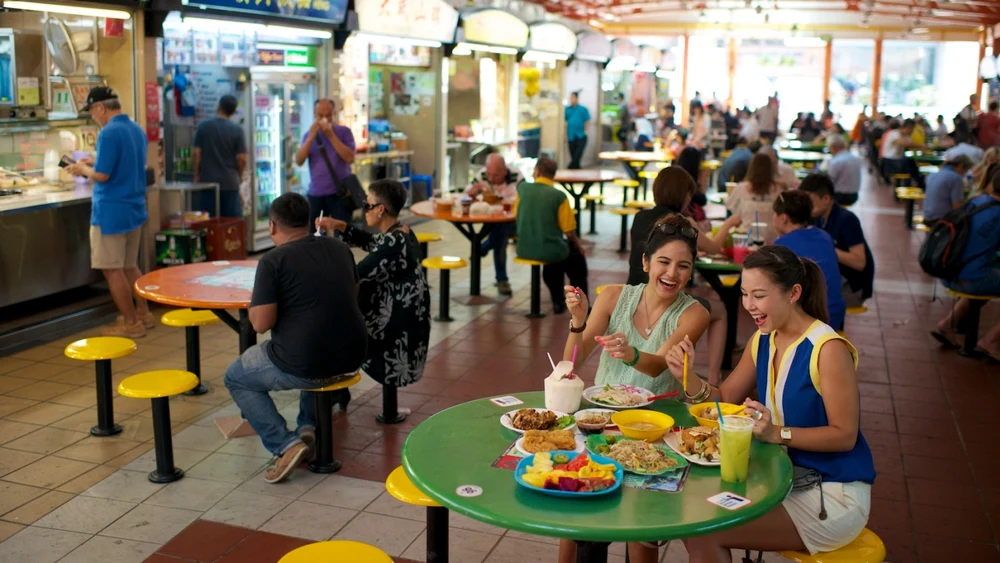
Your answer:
<point x="118" y="208"/>
<point x="946" y="188"/>
<point x="857" y="266"/>
<point x="577" y="118"/>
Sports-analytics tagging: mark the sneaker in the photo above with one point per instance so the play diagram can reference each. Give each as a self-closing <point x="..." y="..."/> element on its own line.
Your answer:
<point x="128" y="331"/>
<point x="147" y="320"/>
<point x="282" y="466"/>
<point x="503" y="288"/>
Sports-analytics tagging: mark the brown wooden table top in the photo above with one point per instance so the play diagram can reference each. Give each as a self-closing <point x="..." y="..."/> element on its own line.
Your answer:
<point x="587" y="176"/>
<point x="429" y="210"/>
<point x="185" y="286"/>
<point x="642" y="156"/>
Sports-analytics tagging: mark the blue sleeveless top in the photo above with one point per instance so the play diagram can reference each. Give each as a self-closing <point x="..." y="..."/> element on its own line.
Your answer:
<point x="795" y="399"/>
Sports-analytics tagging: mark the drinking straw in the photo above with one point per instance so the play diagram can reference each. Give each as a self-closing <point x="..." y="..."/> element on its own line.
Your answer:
<point x="575" y="347"/>
<point x="318" y="232"/>
<point x="551" y="361"/>
<point x="685" y="370"/>
<point x="719" y="409"/>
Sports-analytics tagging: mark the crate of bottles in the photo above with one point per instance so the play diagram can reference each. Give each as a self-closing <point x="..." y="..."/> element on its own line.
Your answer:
<point x="180" y="246"/>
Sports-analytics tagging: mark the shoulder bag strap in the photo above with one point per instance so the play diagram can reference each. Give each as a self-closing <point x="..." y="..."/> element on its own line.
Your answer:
<point x="326" y="159"/>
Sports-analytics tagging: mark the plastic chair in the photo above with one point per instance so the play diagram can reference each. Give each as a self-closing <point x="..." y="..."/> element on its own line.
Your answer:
<point x="976" y="304"/>
<point x="866" y="548"/>
<point x="445" y="264"/>
<point x="336" y="552"/>
<point x="424" y="239"/>
<point x="159" y="386"/>
<point x="536" y="286"/>
<point x="323" y="461"/>
<point x="601" y="288"/>
<point x="399" y="485"/>
<point x="592" y="201"/>
<point x="191" y="320"/>
<point x="101" y="350"/>
<point x="624" y="213"/>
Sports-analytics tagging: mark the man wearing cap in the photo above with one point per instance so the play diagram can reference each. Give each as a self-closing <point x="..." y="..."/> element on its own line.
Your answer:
<point x="220" y="157"/>
<point x="118" y="208"/>
<point x="946" y="188"/>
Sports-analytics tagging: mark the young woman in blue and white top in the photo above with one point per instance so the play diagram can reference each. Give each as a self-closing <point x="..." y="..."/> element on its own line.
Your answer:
<point x="805" y="375"/>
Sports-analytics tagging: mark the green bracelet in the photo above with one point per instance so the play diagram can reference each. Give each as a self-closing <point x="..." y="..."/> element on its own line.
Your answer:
<point x="635" y="361"/>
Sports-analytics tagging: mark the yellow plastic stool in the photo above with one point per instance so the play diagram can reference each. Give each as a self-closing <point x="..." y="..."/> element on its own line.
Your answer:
<point x="866" y="548"/>
<point x="601" y="288"/>
<point x="399" y="485"/>
<point x="159" y="386"/>
<point x="625" y="182"/>
<point x="638" y="204"/>
<point x="592" y="201"/>
<point x="624" y="213"/>
<point x="976" y="304"/>
<point x="191" y="320"/>
<point x="323" y="460"/>
<point x="536" y="286"/>
<point x="857" y="310"/>
<point x="729" y="280"/>
<point x="445" y="264"/>
<point x="101" y="350"/>
<point x="336" y="552"/>
<point x="424" y="239"/>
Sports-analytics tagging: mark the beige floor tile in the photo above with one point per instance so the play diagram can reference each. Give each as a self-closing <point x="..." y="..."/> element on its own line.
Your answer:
<point x="388" y="505"/>
<point x="39" y="372"/>
<point x="49" y="472"/>
<point x="32" y="511"/>
<point x="130" y="456"/>
<point x="183" y="411"/>
<point x="41" y="390"/>
<point x="85" y="514"/>
<point x="62" y="360"/>
<point x="13" y="495"/>
<point x="317" y="522"/>
<point x="138" y="428"/>
<point x="100" y="549"/>
<point x="249" y="446"/>
<point x="191" y="494"/>
<point x="346" y="492"/>
<point x="76" y="376"/>
<point x="227" y="467"/>
<point x="8" y="383"/>
<point x="8" y="529"/>
<point x="81" y="421"/>
<point x="129" y="486"/>
<point x="10" y="364"/>
<point x="201" y="438"/>
<point x="510" y="550"/>
<point x="463" y="522"/>
<point x="44" y="413"/>
<point x="87" y="480"/>
<point x="11" y="430"/>
<point x="12" y="460"/>
<point x="39" y="353"/>
<point x="183" y="459"/>
<point x="98" y="449"/>
<point x="245" y="509"/>
<point x="391" y="535"/>
<point x="78" y="397"/>
<point x="295" y="486"/>
<point x="46" y="440"/>
<point x="463" y="545"/>
<point x="11" y="405"/>
<point x="40" y="545"/>
<point x="136" y="524"/>
<point x="126" y="405"/>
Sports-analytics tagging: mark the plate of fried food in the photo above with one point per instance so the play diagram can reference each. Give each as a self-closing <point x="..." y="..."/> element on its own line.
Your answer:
<point x="699" y="444"/>
<point x="537" y="441"/>
<point x="522" y="420"/>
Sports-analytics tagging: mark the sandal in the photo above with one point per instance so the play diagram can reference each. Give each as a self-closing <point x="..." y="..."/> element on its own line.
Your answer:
<point x="945" y="340"/>
<point x="989" y="357"/>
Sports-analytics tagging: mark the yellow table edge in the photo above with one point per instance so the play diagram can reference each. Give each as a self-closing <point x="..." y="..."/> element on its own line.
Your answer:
<point x="184" y="318"/>
<point x="444" y="262"/>
<point x="336" y="551"/>
<point x="100" y="348"/>
<point x="400" y="486"/>
<point x="157" y="384"/>
<point x="970" y="296"/>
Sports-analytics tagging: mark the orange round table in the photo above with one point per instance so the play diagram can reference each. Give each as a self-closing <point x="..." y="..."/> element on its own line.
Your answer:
<point x="466" y="224"/>
<point x="568" y="179"/>
<point x="216" y="286"/>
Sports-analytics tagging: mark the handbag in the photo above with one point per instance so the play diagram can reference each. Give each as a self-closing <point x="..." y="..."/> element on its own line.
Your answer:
<point x="354" y="193"/>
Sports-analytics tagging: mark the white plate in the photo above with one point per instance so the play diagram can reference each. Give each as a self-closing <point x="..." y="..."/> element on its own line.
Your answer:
<point x="673" y="440"/>
<point x="591" y="391"/>
<point x="581" y="444"/>
<point x="609" y="412"/>
<point x="507" y="417"/>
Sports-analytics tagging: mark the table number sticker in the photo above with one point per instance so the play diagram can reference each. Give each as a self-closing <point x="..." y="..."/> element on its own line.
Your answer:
<point x="469" y="491"/>
<point x="729" y="501"/>
<point x="506" y="401"/>
<point x="221" y="262"/>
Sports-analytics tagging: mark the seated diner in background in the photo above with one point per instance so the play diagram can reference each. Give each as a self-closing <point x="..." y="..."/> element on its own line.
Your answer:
<point x="857" y="266"/>
<point x="978" y="173"/>
<point x="946" y="188"/>
<point x="784" y="174"/>
<point x="844" y="170"/>
<point x="546" y="231"/>
<point x="501" y="181"/>
<point x="734" y="167"/>
<point x="305" y="293"/>
<point x="981" y="273"/>
<point x="812" y="408"/>
<point x="793" y="220"/>
<point x="895" y="142"/>
<point x="752" y="198"/>
<point x="637" y="324"/>
<point x="392" y="293"/>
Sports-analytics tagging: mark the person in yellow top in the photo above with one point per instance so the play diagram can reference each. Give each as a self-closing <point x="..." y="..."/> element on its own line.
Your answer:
<point x="546" y="231"/>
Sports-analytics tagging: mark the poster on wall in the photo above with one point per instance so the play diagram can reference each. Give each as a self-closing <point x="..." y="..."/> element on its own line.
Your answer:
<point x="409" y="89"/>
<point x="178" y="48"/>
<point x="376" y="94"/>
<point x="400" y="55"/>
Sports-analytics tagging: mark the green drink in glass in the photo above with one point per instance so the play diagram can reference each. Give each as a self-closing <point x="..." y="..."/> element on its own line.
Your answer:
<point x="735" y="435"/>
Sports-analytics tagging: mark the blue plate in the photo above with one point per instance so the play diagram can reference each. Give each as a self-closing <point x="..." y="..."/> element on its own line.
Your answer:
<point x="522" y="468"/>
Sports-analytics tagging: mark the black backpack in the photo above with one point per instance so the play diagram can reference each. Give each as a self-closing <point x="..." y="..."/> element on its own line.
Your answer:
<point x="942" y="250"/>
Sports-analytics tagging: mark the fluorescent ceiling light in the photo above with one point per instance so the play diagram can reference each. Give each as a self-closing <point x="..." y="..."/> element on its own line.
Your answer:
<point x="263" y="69"/>
<point x="544" y="57"/>
<point x="621" y="63"/>
<point x="224" y="26"/>
<point x="645" y="68"/>
<point x="295" y="32"/>
<point x="65" y="9"/>
<point x="401" y="41"/>
<point x="463" y="46"/>
<point x="664" y="74"/>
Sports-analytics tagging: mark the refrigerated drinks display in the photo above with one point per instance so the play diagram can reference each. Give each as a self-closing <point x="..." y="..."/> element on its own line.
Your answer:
<point x="301" y="99"/>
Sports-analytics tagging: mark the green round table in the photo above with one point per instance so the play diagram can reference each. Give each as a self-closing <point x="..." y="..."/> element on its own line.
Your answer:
<point x="457" y="447"/>
<point x="807" y="157"/>
<point x="925" y="157"/>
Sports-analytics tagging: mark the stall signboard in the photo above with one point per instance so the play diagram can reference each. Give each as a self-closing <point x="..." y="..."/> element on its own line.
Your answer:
<point x="592" y="46"/>
<point x="649" y="59"/>
<point x="292" y="56"/>
<point x="623" y="48"/>
<point x="491" y="26"/>
<point x="325" y="11"/>
<point x="430" y="20"/>
<point x="552" y="37"/>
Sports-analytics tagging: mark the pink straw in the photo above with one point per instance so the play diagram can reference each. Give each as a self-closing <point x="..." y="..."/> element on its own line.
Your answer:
<point x="575" y="347"/>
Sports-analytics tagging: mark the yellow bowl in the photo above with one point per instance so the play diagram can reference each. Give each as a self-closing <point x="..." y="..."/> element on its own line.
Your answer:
<point x="727" y="409"/>
<point x="624" y="420"/>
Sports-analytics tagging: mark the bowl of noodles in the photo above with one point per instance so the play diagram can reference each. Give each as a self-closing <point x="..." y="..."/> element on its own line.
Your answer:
<point x="637" y="456"/>
<point x="707" y="415"/>
<point x="643" y="425"/>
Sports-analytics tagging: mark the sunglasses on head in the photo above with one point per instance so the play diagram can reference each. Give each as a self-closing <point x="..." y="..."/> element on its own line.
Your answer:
<point x="686" y="232"/>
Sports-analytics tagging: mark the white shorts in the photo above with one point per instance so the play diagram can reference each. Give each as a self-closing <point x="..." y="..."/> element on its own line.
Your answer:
<point x="847" y="508"/>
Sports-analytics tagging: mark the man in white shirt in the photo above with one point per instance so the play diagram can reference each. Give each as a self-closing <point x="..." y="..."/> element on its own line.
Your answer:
<point x="844" y="170"/>
<point x="895" y="143"/>
<point x="972" y="151"/>
<point x="502" y="181"/>
<point x="767" y="116"/>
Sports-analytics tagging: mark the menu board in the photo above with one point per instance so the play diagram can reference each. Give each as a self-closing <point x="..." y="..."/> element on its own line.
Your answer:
<point x="178" y="48"/>
<point x="206" y="48"/>
<point x="210" y="83"/>
<point x="399" y="55"/>
<point x="181" y="48"/>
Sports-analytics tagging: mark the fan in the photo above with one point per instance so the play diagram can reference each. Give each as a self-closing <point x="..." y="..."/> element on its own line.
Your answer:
<point x="60" y="45"/>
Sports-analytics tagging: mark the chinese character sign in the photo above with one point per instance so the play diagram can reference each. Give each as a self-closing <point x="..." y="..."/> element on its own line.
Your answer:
<point x="327" y="11"/>
<point x="433" y="20"/>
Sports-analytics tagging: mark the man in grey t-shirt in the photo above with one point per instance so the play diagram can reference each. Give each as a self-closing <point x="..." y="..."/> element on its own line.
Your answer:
<point x="220" y="156"/>
<point x="844" y="170"/>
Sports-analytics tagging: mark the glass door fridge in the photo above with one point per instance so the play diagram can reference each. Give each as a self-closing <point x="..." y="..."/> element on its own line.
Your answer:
<point x="301" y="99"/>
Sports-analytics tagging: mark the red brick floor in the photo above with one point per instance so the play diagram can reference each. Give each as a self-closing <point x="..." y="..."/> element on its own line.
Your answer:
<point x="925" y="411"/>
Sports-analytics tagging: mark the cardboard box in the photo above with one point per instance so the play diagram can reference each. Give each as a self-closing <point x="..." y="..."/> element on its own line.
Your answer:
<point x="226" y="239"/>
<point x="175" y="247"/>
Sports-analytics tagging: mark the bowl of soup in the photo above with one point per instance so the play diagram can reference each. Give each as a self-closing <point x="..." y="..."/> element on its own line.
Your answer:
<point x="642" y="424"/>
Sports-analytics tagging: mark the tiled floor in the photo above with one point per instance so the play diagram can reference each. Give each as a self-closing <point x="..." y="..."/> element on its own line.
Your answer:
<point x="67" y="496"/>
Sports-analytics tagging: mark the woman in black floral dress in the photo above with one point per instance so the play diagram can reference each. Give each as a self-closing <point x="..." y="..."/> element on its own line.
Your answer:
<point x="393" y="294"/>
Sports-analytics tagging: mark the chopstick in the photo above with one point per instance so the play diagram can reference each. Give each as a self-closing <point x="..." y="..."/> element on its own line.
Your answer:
<point x="685" y="371"/>
<point x="664" y="396"/>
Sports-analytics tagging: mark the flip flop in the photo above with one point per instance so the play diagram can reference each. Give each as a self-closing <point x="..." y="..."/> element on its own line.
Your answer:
<point x="991" y="358"/>
<point x="944" y="340"/>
